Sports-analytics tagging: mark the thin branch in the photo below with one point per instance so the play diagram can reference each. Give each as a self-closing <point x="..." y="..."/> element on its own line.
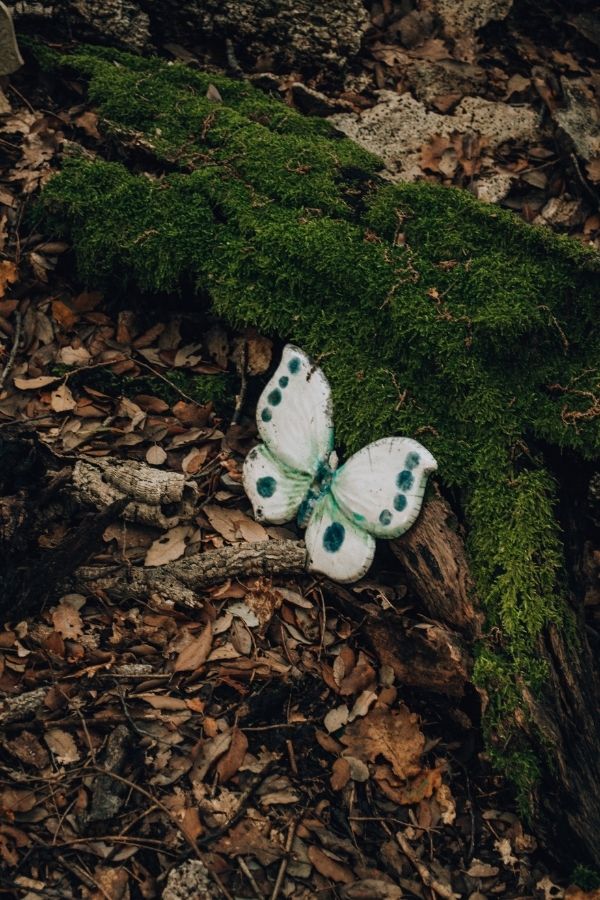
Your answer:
<point x="13" y="349"/>
<point x="173" y="818"/>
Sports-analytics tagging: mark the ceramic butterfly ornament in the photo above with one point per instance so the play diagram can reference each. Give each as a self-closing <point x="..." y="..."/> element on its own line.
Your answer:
<point x="376" y="494"/>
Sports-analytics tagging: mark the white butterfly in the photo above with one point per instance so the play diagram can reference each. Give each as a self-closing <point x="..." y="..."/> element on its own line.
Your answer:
<point x="377" y="493"/>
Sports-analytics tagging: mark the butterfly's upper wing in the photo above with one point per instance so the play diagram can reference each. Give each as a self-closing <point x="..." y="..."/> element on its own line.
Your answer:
<point x="275" y="490"/>
<point x="294" y="413"/>
<point x="336" y="546"/>
<point x="381" y="487"/>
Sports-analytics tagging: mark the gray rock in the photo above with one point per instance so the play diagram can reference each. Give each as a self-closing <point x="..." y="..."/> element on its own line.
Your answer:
<point x="579" y="120"/>
<point x="10" y="58"/>
<point x="461" y="17"/>
<point x="110" y="21"/>
<point x="190" y="880"/>
<point x="282" y="34"/>
<point x="398" y="126"/>
<point x="430" y="80"/>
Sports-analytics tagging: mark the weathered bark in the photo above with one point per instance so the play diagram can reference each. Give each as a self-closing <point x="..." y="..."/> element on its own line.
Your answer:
<point x="434" y="558"/>
<point x="430" y="659"/>
<point x="183" y="580"/>
<point x="152" y="496"/>
<point x="565" y="722"/>
<point x="263" y="34"/>
<point x="561" y="725"/>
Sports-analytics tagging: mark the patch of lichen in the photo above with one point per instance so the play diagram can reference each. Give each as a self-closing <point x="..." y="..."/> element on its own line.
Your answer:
<point x="433" y="315"/>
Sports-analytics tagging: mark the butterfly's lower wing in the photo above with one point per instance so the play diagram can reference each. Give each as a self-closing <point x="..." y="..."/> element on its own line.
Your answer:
<point x="381" y="487"/>
<point x="275" y="490"/>
<point x="294" y="413"/>
<point x="336" y="547"/>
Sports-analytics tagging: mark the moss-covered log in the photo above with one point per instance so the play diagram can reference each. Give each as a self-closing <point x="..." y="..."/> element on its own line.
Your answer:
<point x="433" y="316"/>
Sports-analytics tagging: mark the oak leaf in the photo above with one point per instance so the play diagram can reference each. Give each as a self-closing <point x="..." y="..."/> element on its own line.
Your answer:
<point x="394" y="735"/>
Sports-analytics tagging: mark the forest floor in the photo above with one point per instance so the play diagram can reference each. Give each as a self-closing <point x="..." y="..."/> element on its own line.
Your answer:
<point x="262" y="735"/>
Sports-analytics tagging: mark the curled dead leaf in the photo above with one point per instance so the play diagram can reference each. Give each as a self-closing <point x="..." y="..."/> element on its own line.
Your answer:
<point x="394" y="735"/>
<point x="329" y="867"/>
<point x="196" y="652"/>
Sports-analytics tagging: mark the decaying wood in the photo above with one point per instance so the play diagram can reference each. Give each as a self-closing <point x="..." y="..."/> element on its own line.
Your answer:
<point x="22" y="706"/>
<point x="431" y="658"/>
<point x="563" y="728"/>
<point x="182" y="581"/>
<point x="152" y="496"/>
<point x="433" y="555"/>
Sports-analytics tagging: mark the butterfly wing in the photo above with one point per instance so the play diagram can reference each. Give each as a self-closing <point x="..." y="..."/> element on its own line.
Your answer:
<point x="294" y="413"/>
<point x="275" y="490"/>
<point x="336" y="547"/>
<point x="381" y="487"/>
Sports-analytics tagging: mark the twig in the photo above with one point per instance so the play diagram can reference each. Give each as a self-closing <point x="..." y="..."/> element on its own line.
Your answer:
<point x="234" y="819"/>
<point x="13" y="349"/>
<point x="164" y="378"/>
<point x="173" y="818"/>
<point x="584" y="182"/>
<point x="241" y="397"/>
<point x="442" y="890"/>
<point x="284" y="862"/>
<point x="250" y="877"/>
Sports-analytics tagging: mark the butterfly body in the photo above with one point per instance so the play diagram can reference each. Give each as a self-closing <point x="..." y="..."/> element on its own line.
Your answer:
<point x="295" y="474"/>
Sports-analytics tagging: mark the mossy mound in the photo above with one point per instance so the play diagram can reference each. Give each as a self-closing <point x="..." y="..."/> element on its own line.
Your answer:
<point x="433" y="315"/>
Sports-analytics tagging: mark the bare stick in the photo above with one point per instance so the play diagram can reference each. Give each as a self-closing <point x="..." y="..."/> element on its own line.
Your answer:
<point x="442" y="890"/>
<point x="13" y="349"/>
<point x="284" y="862"/>
<point x="241" y="397"/>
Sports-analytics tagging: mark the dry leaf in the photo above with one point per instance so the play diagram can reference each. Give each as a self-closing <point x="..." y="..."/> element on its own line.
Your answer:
<point x="372" y="889"/>
<point x="234" y="525"/>
<point x="196" y="652"/>
<point x="479" y="869"/>
<point x="209" y="752"/>
<point x="8" y="275"/>
<point x="229" y="763"/>
<point x="63" y="314"/>
<point x="27" y="748"/>
<point x="169" y="546"/>
<point x="418" y="788"/>
<point x="33" y="384"/>
<point x="156" y="456"/>
<point x="88" y="121"/>
<point x="67" y="621"/>
<point x="74" y="356"/>
<point x="163" y="701"/>
<point x="335" y="718"/>
<point x="13" y="800"/>
<point x="328" y="867"/>
<point x="395" y="735"/>
<point x="62" y="745"/>
<point x="249" y="838"/>
<point x="340" y="774"/>
<point x="194" y="460"/>
<point x="62" y="400"/>
<point x="575" y="893"/>
<point x="445" y="800"/>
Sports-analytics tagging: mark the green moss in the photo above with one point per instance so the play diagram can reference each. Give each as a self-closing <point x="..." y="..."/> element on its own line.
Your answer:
<point x="434" y="315"/>
<point x="586" y="878"/>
